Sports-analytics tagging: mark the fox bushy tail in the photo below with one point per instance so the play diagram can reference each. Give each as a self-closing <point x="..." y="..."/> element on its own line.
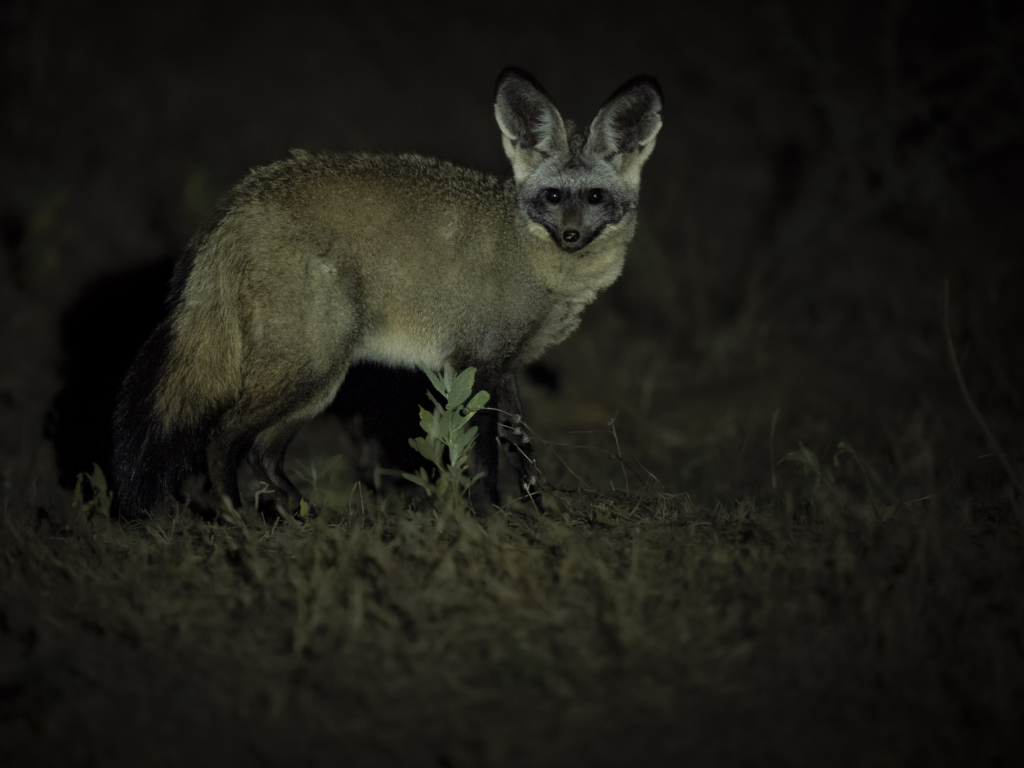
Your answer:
<point x="185" y="377"/>
<point x="150" y="461"/>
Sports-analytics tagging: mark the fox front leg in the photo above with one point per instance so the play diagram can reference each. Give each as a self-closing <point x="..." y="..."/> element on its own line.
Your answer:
<point x="484" y="493"/>
<point x="512" y="432"/>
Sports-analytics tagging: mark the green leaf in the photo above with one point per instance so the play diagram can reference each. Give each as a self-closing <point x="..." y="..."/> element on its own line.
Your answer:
<point x="465" y="440"/>
<point x="444" y="427"/>
<point x="101" y="497"/>
<point x="842" y="448"/>
<point x="434" y="380"/>
<point x="449" y="379"/>
<point x="433" y="399"/>
<point x="428" y="423"/>
<point x="421" y="445"/>
<point x="416" y="479"/>
<point x="461" y="389"/>
<point x="480" y="399"/>
<point x="428" y="449"/>
<point x="474" y="405"/>
<point x="806" y="459"/>
<point x="459" y="420"/>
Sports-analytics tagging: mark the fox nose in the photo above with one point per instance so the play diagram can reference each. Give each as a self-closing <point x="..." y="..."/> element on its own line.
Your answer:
<point x="571" y="235"/>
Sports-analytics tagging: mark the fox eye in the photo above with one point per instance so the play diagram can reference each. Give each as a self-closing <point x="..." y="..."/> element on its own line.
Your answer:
<point x="595" y="196"/>
<point x="553" y="196"/>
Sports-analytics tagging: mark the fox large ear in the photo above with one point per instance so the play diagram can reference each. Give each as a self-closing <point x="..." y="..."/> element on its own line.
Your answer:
<point x="531" y="128"/>
<point x="624" y="130"/>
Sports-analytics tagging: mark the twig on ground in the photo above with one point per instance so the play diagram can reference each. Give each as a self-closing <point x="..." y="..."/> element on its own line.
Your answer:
<point x="771" y="445"/>
<point x="993" y="443"/>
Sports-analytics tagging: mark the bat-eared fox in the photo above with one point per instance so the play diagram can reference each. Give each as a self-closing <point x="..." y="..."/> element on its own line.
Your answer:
<point x="319" y="261"/>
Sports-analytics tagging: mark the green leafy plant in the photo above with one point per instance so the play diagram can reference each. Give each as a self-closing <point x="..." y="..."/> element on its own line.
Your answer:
<point x="100" y="497"/>
<point x="448" y="437"/>
<point x="326" y="480"/>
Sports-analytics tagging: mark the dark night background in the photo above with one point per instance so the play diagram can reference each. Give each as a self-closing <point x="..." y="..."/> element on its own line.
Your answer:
<point x="826" y="172"/>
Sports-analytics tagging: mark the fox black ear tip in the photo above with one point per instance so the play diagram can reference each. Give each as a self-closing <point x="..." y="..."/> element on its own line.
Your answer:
<point x="511" y="70"/>
<point x="652" y="81"/>
<point x="514" y="72"/>
<point x="640" y="81"/>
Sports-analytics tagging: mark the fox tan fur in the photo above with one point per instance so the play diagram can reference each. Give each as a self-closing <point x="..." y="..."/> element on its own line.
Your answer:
<point x="320" y="261"/>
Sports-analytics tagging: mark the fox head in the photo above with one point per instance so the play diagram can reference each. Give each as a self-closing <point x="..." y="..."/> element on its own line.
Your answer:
<point x="573" y="186"/>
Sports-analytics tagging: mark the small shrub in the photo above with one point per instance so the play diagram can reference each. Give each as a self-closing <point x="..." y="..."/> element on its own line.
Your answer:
<point x="448" y="438"/>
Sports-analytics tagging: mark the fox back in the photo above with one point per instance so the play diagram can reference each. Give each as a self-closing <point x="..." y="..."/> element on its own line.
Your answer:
<point x="319" y="261"/>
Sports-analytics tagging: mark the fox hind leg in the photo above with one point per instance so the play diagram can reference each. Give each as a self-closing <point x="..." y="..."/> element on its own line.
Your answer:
<point x="267" y="461"/>
<point x="259" y="427"/>
<point x="266" y="457"/>
<point x="223" y="455"/>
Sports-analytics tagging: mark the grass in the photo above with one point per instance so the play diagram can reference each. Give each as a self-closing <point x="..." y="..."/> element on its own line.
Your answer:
<point x="813" y="624"/>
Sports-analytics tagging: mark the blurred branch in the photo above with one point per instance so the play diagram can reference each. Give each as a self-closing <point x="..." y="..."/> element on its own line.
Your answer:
<point x="993" y="443"/>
